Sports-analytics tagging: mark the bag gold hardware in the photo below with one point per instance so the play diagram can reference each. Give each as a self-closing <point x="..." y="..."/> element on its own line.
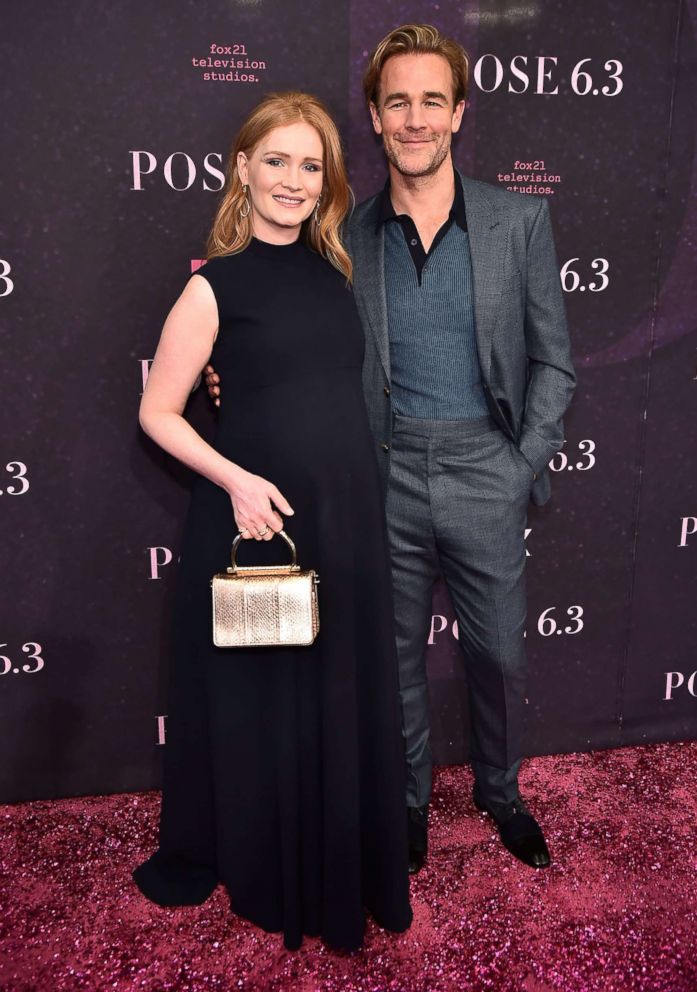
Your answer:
<point x="265" y="605"/>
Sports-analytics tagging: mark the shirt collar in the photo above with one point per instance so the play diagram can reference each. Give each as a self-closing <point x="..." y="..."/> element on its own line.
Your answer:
<point x="387" y="212"/>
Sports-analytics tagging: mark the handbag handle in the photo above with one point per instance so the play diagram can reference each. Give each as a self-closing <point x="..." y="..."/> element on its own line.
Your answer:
<point x="281" y="533"/>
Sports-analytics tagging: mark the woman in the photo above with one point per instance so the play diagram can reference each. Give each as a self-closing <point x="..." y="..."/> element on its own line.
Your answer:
<point x="284" y="767"/>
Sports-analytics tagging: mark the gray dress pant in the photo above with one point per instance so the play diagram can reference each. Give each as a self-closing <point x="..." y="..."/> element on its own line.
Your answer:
<point x="456" y="504"/>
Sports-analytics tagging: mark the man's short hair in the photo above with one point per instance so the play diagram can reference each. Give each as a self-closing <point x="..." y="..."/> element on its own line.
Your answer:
<point x="417" y="39"/>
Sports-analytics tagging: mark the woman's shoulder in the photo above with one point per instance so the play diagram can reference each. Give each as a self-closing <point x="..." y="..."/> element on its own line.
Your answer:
<point x="221" y="273"/>
<point x="219" y="263"/>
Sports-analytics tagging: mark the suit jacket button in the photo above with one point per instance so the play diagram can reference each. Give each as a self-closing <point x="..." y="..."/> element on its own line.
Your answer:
<point x="385" y="447"/>
<point x="386" y="390"/>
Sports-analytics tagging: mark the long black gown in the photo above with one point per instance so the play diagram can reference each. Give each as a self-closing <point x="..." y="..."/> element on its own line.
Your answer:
<point x="284" y="773"/>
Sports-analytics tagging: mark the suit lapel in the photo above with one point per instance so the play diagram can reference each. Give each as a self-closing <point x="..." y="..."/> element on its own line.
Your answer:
<point x="368" y="253"/>
<point x="488" y="237"/>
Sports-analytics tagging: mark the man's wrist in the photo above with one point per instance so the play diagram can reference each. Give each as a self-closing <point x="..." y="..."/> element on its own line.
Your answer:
<point x="536" y="451"/>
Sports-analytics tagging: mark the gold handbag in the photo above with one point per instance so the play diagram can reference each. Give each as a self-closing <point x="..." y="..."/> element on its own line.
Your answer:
<point x="264" y="605"/>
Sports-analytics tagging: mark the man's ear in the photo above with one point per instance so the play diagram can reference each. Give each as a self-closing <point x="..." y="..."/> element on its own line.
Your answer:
<point x="458" y="114"/>
<point x="242" y="168"/>
<point x="377" y="123"/>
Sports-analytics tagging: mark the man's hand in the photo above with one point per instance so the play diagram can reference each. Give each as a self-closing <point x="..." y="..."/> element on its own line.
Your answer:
<point x="213" y="384"/>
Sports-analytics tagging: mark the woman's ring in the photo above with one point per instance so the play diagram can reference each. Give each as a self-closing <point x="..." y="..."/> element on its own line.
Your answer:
<point x="262" y="532"/>
<point x="242" y="530"/>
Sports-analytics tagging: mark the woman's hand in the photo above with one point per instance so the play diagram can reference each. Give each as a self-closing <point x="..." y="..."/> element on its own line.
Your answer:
<point x="212" y="384"/>
<point x="253" y="500"/>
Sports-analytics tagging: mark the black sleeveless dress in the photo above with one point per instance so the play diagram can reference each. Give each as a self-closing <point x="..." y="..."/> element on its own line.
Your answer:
<point x="284" y="774"/>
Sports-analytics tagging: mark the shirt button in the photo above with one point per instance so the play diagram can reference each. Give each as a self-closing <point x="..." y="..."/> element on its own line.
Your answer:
<point x="413" y="242"/>
<point x="385" y="447"/>
<point x="386" y="390"/>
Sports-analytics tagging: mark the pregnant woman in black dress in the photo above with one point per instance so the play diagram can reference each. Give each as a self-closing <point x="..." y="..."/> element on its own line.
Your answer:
<point x="284" y="767"/>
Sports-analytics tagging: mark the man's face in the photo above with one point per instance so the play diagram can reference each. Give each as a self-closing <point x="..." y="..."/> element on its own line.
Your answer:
<point x="416" y="116"/>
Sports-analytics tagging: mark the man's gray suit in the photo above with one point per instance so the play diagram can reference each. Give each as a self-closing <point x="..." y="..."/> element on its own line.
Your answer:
<point x="457" y="492"/>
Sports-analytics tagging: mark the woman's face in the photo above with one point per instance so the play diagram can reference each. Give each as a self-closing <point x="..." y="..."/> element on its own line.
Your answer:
<point x="284" y="174"/>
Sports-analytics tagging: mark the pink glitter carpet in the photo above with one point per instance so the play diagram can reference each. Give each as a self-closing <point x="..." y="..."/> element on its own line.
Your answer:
<point x="615" y="913"/>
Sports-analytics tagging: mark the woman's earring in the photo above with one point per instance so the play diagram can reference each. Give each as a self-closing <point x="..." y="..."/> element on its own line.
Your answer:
<point x="246" y="206"/>
<point x="317" y="215"/>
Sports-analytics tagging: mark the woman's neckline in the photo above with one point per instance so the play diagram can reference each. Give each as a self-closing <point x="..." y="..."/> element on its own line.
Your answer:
<point x="269" y="248"/>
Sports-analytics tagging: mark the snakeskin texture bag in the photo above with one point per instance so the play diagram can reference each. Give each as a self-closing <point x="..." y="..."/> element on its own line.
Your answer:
<point x="265" y="606"/>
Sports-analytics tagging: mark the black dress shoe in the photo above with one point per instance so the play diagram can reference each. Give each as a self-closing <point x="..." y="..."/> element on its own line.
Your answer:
<point x="520" y="832"/>
<point x="417" y="830"/>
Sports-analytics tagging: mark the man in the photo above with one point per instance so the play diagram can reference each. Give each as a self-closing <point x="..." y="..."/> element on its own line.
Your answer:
<point x="467" y="376"/>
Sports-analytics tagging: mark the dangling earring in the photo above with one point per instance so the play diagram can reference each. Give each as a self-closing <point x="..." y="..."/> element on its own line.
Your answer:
<point x="246" y="206"/>
<point x="316" y="213"/>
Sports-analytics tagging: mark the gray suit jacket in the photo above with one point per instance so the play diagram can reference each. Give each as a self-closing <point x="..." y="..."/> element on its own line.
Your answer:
<point x="520" y="324"/>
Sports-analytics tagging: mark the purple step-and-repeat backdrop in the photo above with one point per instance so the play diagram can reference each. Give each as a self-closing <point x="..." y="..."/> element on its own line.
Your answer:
<point x="117" y="120"/>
